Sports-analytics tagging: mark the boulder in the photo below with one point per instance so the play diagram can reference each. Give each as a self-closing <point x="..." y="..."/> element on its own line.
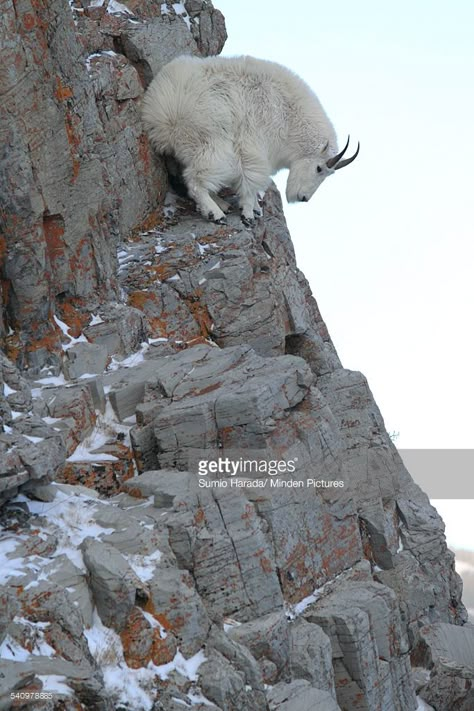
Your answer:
<point x="113" y="583"/>
<point x="299" y="696"/>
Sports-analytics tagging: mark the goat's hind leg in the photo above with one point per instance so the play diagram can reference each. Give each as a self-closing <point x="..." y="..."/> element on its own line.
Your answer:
<point x="202" y="197"/>
<point x="220" y="202"/>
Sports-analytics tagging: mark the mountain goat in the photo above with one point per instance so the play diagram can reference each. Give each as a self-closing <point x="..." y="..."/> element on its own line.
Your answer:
<point x="234" y="122"/>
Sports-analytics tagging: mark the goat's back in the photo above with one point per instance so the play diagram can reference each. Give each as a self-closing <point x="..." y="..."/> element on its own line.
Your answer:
<point x="195" y="100"/>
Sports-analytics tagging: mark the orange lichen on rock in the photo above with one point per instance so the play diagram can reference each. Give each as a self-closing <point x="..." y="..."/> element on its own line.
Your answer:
<point x="68" y="311"/>
<point x="74" y="142"/>
<point x="62" y="91"/>
<point x="145" y="642"/>
<point x="106" y="477"/>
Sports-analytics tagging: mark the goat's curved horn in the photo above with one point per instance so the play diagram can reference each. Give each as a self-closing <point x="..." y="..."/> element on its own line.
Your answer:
<point x="345" y="162"/>
<point x="332" y="161"/>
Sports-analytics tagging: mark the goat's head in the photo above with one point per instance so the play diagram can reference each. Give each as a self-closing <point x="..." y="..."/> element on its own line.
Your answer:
<point x="307" y="174"/>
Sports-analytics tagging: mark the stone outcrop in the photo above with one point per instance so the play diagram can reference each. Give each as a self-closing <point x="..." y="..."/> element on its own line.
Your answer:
<point x="448" y="654"/>
<point x="77" y="173"/>
<point x="140" y="342"/>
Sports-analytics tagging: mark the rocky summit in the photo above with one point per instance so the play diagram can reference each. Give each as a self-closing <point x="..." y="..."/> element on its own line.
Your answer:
<point x="200" y="506"/>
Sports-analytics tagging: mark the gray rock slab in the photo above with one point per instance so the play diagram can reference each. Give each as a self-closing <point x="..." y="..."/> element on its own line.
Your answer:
<point x="9" y="607"/>
<point x="152" y="45"/>
<point x="450" y="646"/>
<point x="300" y="696"/>
<point x="226" y="687"/>
<point x="238" y="655"/>
<point x="266" y="637"/>
<point x="49" y="602"/>
<point x="48" y="492"/>
<point x="112" y="581"/>
<point x="225" y="532"/>
<point x="121" y="330"/>
<point x="164" y="485"/>
<point x="310" y="655"/>
<point x="63" y="574"/>
<point x="447" y="651"/>
<point x="175" y="598"/>
<point x="84" y="358"/>
<point x="82" y="678"/>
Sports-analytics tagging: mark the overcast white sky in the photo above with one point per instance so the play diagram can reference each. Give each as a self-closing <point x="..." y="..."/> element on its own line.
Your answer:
<point x="387" y="244"/>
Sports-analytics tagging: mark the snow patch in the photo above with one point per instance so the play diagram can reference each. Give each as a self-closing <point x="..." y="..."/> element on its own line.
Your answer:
<point x="181" y="11"/>
<point x="133" y="687"/>
<point x="85" y="452"/>
<point x="9" y="649"/>
<point x="132" y="360"/>
<point x="51" y="420"/>
<point x="154" y="623"/>
<point x="196" y="698"/>
<point x="203" y="248"/>
<point x="296" y="610"/>
<point x="10" y="567"/>
<point x="95" y="320"/>
<point x="159" y="249"/>
<point x="70" y="519"/>
<point x="50" y="380"/>
<point x="113" y="8"/>
<point x="72" y="341"/>
<point x="7" y="390"/>
<point x="143" y="565"/>
<point x="55" y="683"/>
<point x="229" y="624"/>
<point x="88" y="60"/>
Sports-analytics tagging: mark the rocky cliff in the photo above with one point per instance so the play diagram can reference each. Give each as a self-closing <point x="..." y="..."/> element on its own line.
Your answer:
<point x="139" y="342"/>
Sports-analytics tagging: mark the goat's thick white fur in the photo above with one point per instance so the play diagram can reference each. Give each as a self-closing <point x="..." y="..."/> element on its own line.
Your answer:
<point x="234" y="122"/>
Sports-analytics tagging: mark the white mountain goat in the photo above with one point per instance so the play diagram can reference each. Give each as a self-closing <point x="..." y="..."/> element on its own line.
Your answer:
<point x="234" y="122"/>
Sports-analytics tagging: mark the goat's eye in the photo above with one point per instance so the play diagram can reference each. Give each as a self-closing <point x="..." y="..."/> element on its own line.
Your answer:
<point x="319" y="169"/>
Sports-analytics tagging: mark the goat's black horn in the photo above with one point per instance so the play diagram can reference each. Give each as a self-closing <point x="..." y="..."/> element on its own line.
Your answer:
<point x="345" y="162"/>
<point x="333" y="161"/>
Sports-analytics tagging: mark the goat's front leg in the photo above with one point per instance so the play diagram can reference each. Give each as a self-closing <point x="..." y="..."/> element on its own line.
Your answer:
<point x="254" y="178"/>
<point x="250" y="210"/>
<point x="258" y="206"/>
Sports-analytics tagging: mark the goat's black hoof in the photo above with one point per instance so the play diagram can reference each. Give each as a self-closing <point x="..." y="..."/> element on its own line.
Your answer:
<point x="218" y="220"/>
<point x="258" y="213"/>
<point x="247" y="221"/>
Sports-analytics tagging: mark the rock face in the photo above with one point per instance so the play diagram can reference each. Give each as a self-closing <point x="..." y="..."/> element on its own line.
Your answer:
<point x="143" y="349"/>
<point x="76" y="173"/>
